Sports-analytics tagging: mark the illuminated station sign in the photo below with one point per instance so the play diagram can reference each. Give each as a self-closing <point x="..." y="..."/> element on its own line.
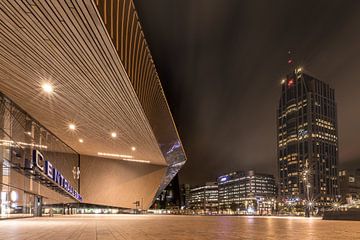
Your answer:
<point x="53" y="174"/>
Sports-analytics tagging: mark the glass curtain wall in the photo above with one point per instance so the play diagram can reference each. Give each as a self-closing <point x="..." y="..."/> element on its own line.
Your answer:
<point x="21" y="193"/>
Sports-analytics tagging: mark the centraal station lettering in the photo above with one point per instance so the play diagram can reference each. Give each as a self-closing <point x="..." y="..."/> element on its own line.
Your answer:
<point x="51" y="172"/>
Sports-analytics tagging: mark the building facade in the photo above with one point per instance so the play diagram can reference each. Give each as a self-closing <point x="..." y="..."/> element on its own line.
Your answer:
<point x="170" y="197"/>
<point x="349" y="183"/>
<point x="185" y="195"/>
<point x="204" y="199"/>
<point x="246" y="192"/>
<point x="25" y="188"/>
<point x="307" y="139"/>
<point x="84" y="118"/>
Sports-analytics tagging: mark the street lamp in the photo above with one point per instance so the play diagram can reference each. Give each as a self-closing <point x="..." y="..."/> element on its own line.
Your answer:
<point x="306" y="174"/>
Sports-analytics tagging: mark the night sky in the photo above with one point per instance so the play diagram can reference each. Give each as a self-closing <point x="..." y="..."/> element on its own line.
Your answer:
<point x="220" y="63"/>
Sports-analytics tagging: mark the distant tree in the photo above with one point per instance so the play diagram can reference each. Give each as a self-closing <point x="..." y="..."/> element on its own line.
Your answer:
<point x="242" y="206"/>
<point x="234" y="206"/>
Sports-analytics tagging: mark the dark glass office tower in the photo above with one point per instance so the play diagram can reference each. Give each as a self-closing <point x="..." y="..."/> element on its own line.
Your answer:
<point x="170" y="197"/>
<point x="307" y="140"/>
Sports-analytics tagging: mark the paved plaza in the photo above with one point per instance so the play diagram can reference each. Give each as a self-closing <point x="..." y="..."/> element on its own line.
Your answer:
<point x="143" y="227"/>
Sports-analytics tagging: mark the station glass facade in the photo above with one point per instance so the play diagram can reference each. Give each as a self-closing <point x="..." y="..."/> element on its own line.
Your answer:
<point x="23" y="192"/>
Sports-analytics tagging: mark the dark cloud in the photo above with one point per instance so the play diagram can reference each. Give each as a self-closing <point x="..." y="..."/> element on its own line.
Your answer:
<point x="221" y="62"/>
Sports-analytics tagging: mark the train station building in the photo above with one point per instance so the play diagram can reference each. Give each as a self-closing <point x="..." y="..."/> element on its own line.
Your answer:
<point x="84" y="120"/>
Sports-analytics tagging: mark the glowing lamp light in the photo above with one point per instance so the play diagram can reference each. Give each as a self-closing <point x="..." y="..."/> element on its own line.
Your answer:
<point x="81" y="140"/>
<point x="250" y="210"/>
<point x="133" y="148"/>
<point x="47" y="87"/>
<point x="136" y="160"/>
<point x="114" y="155"/>
<point x="113" y="135"/>
<point x="123" y="157"/>
<point x="72" y="126"/>
<point x="13" y="196"/>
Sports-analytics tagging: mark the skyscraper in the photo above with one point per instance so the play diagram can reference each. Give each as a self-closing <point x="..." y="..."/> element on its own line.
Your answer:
<point x="307" y="140"/>
<point x="185" y="195"/>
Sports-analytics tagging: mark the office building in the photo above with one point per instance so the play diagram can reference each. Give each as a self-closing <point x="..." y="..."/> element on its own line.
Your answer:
<point x="349" y="183"/>
<point x="307" y="139"/>
<point x="204" y="199"/>
<point x="185" y="195"/>
<point x="246" y="192"/>
<point x="83" y="116"/>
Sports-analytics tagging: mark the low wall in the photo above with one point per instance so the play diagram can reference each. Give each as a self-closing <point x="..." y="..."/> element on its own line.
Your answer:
<point x="353" y="214"/>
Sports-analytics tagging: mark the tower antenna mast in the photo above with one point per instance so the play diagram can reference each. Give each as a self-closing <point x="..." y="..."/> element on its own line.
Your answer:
<point x="290" y="60"/>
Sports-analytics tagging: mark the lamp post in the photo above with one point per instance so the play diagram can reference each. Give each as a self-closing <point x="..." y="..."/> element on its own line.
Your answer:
<point x="137" y="204"/>
<point x="306" y="183"/>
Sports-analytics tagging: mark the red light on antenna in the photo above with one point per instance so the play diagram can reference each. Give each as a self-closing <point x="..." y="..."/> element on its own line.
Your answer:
<point x="290" y="82"/>
<point x="290" y="61"/>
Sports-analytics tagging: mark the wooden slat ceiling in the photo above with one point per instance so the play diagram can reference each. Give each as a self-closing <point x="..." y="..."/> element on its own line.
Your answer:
<point x="66" y="43"/>
<point x="124" y="28"/>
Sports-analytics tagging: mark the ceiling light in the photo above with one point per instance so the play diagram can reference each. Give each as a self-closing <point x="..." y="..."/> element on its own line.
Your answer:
<point x="113" y="134"/>
<point x="136" y="160"/>
<point x="114" y="155"/>
<point x="133" y="148"/>
<point x="12" y="143"/>
<point x="72" y="126"/>
<point x="47" y="87"/>
<point x="81" y="140"/>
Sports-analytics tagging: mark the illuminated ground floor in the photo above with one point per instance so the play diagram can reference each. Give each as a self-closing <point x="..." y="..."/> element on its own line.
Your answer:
<point x="124" y="227"/>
